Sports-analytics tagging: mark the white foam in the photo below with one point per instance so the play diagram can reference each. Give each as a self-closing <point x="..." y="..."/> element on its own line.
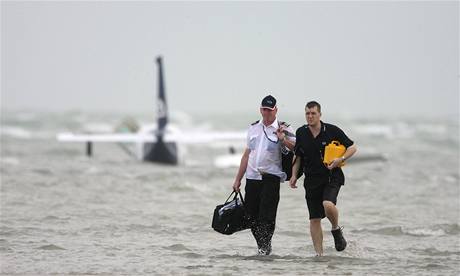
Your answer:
<point x="400" y="129"/>
<point x="425" y="232"/>
<point x="98" y="128"/>
<point x="227" y="161"/>
<point x="16" y="132"/>
<point x="435" y="129"/>
<point x="374" y="130"/>
<point x="9" y="160"/>
<point x="181" y="118"/>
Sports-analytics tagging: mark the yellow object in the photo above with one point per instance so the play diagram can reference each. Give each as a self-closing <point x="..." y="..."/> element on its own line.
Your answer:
<point x="332" y="151"/>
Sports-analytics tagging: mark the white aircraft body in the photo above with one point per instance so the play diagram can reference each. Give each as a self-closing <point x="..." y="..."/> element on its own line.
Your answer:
<point x="155" y="142"/>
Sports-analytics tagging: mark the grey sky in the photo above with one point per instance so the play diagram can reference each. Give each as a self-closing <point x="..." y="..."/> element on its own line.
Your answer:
<point x="356" y="58"/>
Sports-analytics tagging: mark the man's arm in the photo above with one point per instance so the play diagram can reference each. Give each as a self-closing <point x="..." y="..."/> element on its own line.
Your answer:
<point x="241" y="170"/>
<point x="348" y="153"/>
<point x="295" y="170"/>
<point x="288" y="143"/>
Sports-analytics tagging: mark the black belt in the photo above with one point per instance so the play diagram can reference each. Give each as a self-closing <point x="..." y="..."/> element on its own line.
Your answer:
<point x="270" y="176"/>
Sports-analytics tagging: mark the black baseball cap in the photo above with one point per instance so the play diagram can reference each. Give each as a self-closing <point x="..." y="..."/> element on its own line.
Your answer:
<point x="268" y="102"/>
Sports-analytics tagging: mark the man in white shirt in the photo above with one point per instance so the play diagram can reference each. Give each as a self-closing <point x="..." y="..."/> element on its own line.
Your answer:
<point x="267" y="140"/>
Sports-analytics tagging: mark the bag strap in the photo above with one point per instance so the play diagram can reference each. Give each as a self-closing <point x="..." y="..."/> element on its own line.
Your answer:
<point x="235" y="196"/>
<point x="241" y="197"/>
<point x="233" y="192"/>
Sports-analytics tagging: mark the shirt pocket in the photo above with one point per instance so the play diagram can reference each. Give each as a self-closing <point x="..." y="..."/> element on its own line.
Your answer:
<point x="272" y="147"/>
<point x="252" y="142"/>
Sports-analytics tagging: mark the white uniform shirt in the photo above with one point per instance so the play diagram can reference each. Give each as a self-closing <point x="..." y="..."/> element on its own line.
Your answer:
<point x="265" y="155"/>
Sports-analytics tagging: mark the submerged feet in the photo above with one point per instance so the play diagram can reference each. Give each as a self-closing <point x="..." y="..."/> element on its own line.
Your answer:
<point x="265" y="251"/>
<point x="339" y="240"/>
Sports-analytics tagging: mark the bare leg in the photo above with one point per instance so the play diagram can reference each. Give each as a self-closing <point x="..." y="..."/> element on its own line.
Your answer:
<point x="317" y="235"/>
<point x="331" y="213"/>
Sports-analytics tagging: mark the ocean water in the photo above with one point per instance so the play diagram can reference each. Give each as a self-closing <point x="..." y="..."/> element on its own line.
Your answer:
<point x="63" y="213"/>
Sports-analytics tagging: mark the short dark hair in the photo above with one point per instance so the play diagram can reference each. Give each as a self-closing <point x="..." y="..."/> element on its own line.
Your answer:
<point x="312" y="104"/>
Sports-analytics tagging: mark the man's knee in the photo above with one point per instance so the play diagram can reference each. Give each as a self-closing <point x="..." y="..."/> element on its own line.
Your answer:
<point x="315" y="222"/>
<point x="328" y="205"/>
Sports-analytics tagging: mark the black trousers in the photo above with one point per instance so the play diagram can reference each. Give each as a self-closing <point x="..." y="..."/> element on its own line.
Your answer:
<point x="261" y="199"/>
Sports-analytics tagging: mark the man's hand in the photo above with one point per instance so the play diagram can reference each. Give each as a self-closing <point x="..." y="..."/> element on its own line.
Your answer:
<point x="280" y="133"/>
<point x="236" y="186"/>
<point x="292" y="182"/>
<point x="335" y="163"/>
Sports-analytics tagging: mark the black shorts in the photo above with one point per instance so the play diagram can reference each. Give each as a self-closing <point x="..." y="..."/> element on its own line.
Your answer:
<point x="319" y="189"/>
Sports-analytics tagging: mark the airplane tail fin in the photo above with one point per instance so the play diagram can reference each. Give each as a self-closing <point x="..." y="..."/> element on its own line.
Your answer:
<point x="162" y="107"/>
<point x="161" y="151"/>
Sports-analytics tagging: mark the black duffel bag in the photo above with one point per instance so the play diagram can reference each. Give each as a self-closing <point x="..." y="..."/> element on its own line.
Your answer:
<point x="231" y="216"/>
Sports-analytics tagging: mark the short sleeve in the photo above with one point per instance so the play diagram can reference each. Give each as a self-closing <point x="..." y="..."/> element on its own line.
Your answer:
<point x="247" y="137"/>
<point x="343" y="138"/>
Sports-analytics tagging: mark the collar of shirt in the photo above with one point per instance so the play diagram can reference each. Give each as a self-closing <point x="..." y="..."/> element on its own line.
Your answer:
<point x="275" y="124"/>
<point x="321" y="130"/>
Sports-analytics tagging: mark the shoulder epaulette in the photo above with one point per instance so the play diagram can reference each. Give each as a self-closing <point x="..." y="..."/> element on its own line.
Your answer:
<point x="256" y="122"/>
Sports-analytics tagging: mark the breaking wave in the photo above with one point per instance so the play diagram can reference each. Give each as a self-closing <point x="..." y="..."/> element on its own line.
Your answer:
<point x="435" y="230"/>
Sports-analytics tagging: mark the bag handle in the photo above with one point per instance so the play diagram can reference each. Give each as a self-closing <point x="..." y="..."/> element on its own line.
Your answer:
<point x="230" y="196"/>
<point x="234" y="197"/>
<point x="241" y="197"/>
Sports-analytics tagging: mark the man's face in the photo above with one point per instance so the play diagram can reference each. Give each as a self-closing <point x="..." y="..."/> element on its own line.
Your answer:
<point x="267" y="114"/>
<point x="312" y="115"/>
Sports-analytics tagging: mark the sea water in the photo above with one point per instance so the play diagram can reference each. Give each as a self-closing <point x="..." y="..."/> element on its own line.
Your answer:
<point x="66" y="214"/>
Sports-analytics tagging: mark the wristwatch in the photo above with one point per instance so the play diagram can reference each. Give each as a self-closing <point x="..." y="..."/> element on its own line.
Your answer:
<point x="343" y="158"/>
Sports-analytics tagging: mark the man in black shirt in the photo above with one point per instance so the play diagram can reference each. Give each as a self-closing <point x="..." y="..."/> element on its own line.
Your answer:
<point x="322" y="181"/>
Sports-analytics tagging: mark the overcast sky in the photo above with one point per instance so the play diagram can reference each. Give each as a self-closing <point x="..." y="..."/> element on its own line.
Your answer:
<point x="355" y="58"/>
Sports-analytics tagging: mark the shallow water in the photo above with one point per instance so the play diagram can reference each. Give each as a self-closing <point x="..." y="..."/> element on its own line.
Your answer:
<point x="63" y="213"/>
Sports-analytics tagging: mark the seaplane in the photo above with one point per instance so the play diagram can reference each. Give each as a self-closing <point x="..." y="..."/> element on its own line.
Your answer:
<point x="158" y="142"/>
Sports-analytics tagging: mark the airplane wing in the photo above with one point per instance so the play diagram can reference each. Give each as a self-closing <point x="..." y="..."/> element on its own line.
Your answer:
<point x="108" y="138"/>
